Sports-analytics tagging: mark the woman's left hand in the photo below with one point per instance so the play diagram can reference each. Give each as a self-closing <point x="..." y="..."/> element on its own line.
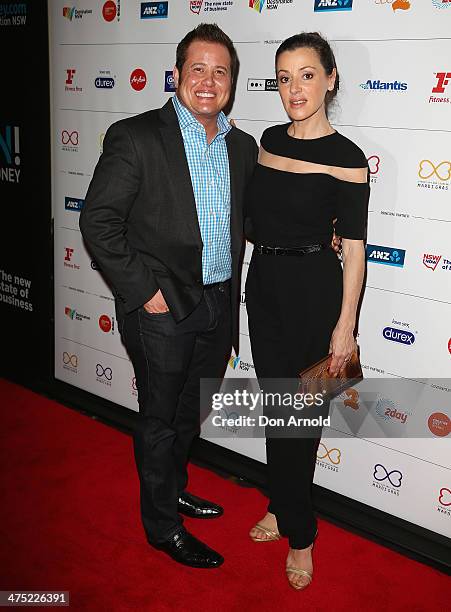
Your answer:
<point x="342" y="345"/>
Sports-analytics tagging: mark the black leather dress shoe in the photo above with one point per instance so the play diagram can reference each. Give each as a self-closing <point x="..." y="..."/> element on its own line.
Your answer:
<point x="195" y="507"/>
<point x="185" y="548"/>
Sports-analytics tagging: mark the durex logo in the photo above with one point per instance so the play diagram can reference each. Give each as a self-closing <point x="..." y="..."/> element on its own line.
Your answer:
<point x="390" y="256"/>
<point x="169" y="84"/>
<point x="74" y="204"/>
<point x="398" y="335"/>
<point x="332" y="5"/>
<point x="104" y="83"/>
<point x="154" y="10"/>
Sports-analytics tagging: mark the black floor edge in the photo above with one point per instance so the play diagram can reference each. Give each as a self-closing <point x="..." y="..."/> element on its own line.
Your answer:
<point x="397" y="534"/>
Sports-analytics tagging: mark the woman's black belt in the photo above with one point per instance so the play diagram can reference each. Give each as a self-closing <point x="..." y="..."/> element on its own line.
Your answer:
<point x="261" y="249"/>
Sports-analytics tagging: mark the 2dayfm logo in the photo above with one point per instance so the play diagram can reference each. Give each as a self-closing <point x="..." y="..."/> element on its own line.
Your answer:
<point x="442" y="4"/>
<point x="10" y="154"/>
<point x="441" y="88"/>
<point x="262" y="85"/>
<point x="434" y="175"/>
<point x="138" y="79"/>
<point x="154" y="10"/>
<point x="390" y="256"/>
<point x="169" y="83"/>
<point x="321" y="6"/>
<point x="388" y="411"/>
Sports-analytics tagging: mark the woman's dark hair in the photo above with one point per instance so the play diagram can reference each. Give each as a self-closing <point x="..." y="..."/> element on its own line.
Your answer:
<point x="206" y="32"/>
<point x="314" y="40"/>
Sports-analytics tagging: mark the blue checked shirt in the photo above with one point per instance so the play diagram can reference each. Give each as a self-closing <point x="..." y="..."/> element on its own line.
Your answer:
<point x="209" y="169"/>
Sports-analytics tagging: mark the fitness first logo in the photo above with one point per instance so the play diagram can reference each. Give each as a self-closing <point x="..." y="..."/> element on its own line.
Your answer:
<point x="209" y="6"/>
<point x="387" y="480"/>
<point x="10" y="154"/>
<point x="441" y="90"/>
<point x="70" y="83"/>
<point x="68" y="259"/>
<point x="433" y="174"/>
<point x="322" y="6"/>
<point x="328" y="458"/>
<point x="262" y="85"/>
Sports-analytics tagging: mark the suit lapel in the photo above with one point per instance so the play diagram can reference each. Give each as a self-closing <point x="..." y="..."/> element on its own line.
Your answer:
<point x="236" y="213"/>
<point x="179" y="176"/>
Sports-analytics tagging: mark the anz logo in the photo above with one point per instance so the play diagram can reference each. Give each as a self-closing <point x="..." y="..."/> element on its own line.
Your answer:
<point x="389" y="256"/>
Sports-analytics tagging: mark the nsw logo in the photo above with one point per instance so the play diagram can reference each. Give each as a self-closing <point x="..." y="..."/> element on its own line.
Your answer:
<point x="169" y="84"/>
<point x="154" y="10"/>
<point x="321" y="6"/>
<point x="389" y="256"/>
<point x="403" y="336"/>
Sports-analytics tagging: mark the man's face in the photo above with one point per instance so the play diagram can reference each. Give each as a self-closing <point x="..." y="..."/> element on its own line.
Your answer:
<point x="205" y="81"/>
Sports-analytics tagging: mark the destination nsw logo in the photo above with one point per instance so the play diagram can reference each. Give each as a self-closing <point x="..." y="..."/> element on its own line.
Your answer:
<point x="321" y="6"/>
<point x="390" y="256"/>
<point x="383" y="86"/>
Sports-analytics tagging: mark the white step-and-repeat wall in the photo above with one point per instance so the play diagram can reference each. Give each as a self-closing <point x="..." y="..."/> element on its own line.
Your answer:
<point x="110" y="60"/>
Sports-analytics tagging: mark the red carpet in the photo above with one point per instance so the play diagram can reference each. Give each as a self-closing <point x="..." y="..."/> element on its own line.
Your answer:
<point x="69" y="520"/>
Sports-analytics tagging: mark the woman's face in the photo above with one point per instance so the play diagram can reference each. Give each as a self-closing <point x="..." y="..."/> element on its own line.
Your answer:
<point x="303" y="83"/>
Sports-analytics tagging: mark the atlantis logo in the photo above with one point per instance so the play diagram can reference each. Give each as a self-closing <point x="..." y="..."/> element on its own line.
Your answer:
<point x="379" y="85"/>
<point x="385" y="255"/>
<point x="321" y="6"/>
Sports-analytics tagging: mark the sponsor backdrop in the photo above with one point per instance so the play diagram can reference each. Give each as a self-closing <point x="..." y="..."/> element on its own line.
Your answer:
<point x="25" y="239"/>
<point x="112" y="59"/>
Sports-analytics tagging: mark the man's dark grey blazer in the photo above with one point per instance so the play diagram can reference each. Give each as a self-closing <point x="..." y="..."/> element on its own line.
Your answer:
<point x="139" y="219"/>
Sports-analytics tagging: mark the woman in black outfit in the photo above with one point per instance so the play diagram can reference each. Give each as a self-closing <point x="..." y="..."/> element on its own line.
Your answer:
<point x="301" y="304"/>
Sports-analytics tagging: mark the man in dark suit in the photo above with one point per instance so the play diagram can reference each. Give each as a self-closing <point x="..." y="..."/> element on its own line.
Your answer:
<point x="163" y="217"/>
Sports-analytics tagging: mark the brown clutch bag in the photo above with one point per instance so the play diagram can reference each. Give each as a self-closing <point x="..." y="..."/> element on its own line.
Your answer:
<point x="317" y="379"/>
